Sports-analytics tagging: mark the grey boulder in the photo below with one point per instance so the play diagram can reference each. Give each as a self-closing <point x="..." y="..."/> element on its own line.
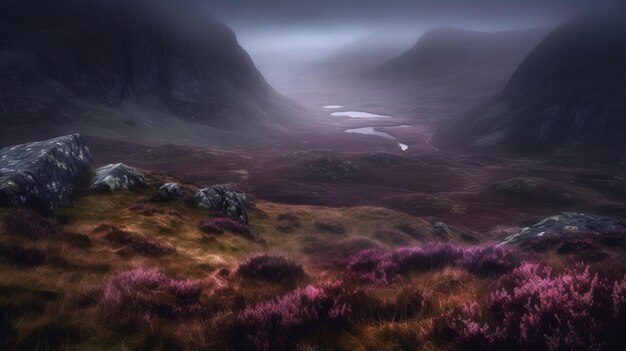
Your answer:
<point x="567" y="222"/>
<point x="441" y="228"/>
<point x="43" y="174"/>
<point x="117" y="176"/>
<point x="226" y="201"/>
<point x="169" y="192"/>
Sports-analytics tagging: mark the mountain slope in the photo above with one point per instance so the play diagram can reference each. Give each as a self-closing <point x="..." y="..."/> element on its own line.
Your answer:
<point x="129" y="68"/>
<point x="569" y="91"/>
<point x="446" y="51"/>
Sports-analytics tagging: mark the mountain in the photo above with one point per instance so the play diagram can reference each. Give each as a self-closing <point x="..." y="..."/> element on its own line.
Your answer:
<point x="162" y="70"/>
<point x="365" y="53"/>
<point x="447" y="51"/>
<point x="570" y="91"/>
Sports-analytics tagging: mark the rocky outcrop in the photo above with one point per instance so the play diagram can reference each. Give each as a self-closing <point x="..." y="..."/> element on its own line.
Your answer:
<point x="567" y="222"/>
<point x="117" y="177"/>
<point x="43" y="174"/>
<point x="169" y="192"/>
<point x="226" y="201"/>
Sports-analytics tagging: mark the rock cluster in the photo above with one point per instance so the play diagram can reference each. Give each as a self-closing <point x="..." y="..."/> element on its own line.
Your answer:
<point x="572" y="222"/>
<point x="43" y="174"/>
<point x="226" y="201"/>
<point x="117" y="176"/>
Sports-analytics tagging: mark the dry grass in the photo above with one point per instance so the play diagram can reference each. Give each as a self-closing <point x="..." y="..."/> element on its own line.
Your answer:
<point x="56" y="303"/>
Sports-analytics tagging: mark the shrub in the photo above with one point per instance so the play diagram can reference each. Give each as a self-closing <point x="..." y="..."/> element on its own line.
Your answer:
<point x="144" y="209"/>
<point x="287" y="221"/>
<point x="380" y="267"/>
<point x="430" y="256"/>
<point x="79" y="240"/>
<point x="277" y="324"/>
<point x="372" y="265"/>
<point x="613" y="237"/>
<point x="134" y="244"/>
<point x="23" y="256"/>
<point x="330" y="226"/>
<point x="146" y="248"/>
<point x="141" y="296"/>
<point x="489" y="259"/>
<point x="27" y="223"/>
<point x="221" y="224"/>
<point x="210" y="227"/>
<point x="270" y="268"/>
<point x="532" y="308"/>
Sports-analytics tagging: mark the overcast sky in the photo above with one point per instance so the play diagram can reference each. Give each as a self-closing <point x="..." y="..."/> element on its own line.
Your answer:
<point x="268" y="25"/>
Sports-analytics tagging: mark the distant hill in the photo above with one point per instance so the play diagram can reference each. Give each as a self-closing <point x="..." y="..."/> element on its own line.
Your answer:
<point x="446" y="51"/>
<point x="153" y="69"/>
<point x="365" y="53"/>
<point x="569" y="91"/>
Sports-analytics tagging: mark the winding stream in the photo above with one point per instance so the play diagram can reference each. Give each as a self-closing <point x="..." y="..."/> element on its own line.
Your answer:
<point x="366" y="130"/>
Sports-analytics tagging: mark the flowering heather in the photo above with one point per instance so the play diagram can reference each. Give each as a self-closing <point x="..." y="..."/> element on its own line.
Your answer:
<point x="382" y="267"/>
<point x="535" y="309"/>
<point x="28" y="224"/>
<point x="140" y="294"/>
<point x="276" y="324"/>
<point x="270" y="268"/>
<point x="221" y="224"/>
<point x="489" y="259"/>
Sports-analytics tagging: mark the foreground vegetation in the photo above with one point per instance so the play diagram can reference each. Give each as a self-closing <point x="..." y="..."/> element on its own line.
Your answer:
<point x="116" y="271"/>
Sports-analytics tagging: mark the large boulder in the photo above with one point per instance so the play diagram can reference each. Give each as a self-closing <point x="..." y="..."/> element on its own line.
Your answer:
<point x="42" y="174"/>
<point x="567" y="222"/>
<point x="226" y="201"/>
<point x="117" y="177"/>
<point x="169" y="192"/>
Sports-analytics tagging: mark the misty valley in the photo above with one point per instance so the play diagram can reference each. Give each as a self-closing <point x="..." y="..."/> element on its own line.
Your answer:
<point x="332" y="175"/>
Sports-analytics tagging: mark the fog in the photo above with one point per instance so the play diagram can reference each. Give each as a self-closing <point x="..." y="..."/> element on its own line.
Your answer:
<point x="283" y="25"/>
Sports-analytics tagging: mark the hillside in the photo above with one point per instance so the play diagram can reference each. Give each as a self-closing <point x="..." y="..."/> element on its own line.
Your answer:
<point x="447" y="51"/>
<point x="568" y="92"/>
<point x="134" y="68"/>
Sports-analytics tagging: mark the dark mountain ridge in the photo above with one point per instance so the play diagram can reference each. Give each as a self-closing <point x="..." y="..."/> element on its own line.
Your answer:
<point x="569" y="92"/>
<point x="64" y="61"/>
<point x="445" y="51"/>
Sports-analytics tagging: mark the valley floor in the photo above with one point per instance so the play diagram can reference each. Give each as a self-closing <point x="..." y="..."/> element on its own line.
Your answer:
<point x="353" y="244"/>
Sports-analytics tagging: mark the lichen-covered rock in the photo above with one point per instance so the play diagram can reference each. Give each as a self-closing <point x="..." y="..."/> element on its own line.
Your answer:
<point x="117" y="176"/>
<point x="42" y="174"/>
<point x="169" y="192"/>
<point x="226" y="201"/>
<point x="441" y="228"/>
<point x="567" y="222"/>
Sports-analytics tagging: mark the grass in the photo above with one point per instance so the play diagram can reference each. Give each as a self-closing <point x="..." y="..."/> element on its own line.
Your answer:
<point x="70" y="288"/>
